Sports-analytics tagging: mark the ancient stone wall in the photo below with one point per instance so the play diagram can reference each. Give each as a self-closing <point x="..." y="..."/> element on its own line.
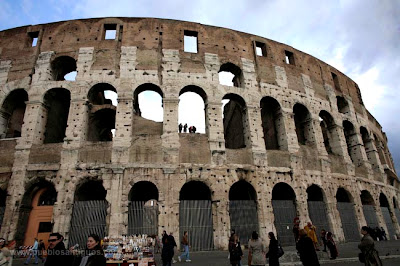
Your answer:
<point x="315" y="118"/>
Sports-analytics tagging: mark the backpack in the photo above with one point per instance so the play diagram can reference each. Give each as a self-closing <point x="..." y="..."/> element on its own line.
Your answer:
<point x="280" y="251"/>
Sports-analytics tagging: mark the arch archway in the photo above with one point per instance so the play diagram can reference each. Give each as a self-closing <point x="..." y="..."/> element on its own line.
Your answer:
<point x="195" y="215"/>
<point x="192" y="108"/>
<point x="369" y="209"/>
<point x="272" y="123"/>
<point x="284" y="207"/>
<point x="329" y="134"/>
<point x="148" y="102"/>
<point x="230" y="75"/>
<point x="62" y="66"/>
<point x="387" y="216"/>
<point x="89" y="212"/>
<point x="243" y="209"/>
<point x="143" y="209"/>
<point x="303" y="124"/>
<point x="351" y="139"/>
<point x="12" y="114"/>
<point x="347" y="214"/>
<point x="317" y="207"/>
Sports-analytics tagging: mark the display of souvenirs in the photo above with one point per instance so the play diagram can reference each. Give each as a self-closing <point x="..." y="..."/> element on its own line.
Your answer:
<point x="134" y="248"/>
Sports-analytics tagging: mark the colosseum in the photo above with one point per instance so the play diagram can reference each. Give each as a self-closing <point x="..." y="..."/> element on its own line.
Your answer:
<point x="294" y="138"/>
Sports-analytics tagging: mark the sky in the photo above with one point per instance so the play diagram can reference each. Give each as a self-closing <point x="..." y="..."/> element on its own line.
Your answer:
<point x="361" y="38"/>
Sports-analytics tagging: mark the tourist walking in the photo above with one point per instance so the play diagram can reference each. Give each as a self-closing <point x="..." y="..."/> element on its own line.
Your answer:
<point x="185" y="244"/>
<point x="312" y="233"/>
<point x="323" y="238"/>
<point x="235" y="251"/>
<point x="42" y="249"/>
<point x="369" y="255"/>
<point x="273" y="250"/>
<point x="305" y="247"/>
<point x="56" y="252"/>
<point x="93" y="255"/>
<point x="33" y="253"/>
<point x="330" y="242"/>
<point x="256" y="251"/>
<point x="167" y="252"/>
<point x="6" y="256"/>
<point x="174" y="246"/>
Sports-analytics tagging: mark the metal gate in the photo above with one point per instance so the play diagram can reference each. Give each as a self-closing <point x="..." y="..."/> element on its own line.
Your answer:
<point x="370" y="216"/>
<point x="195" y="217"/>
<point x="317" y="212"/>
<point x="284" y="212"/>
<point x="142" y="219"/>
<point x="349" y="221"/>
<point x="244" y="218"/>
<point x="397" y="212"/>
<point x="88" y="217"/>
<point x="389" y="224"/>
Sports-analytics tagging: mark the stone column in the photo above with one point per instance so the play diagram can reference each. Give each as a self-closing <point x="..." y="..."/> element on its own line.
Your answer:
<point x="170" y="137"/>
<point x="290" y="129"/>
<point x="116" y="227"/>
<point x="372" y="155"/>
<point x="216" y="133"/>
<point x="221" y="218"/>
<point x="318" y="137"/>
<point x="257" y="135"/>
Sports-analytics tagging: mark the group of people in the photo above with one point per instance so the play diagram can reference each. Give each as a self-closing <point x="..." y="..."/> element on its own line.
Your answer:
<point x="58" y="255"/>
<point x="192" y="129"/>
<point x="169" y="248"/>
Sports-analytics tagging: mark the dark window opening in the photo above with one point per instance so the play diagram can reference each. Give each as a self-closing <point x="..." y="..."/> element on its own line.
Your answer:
<point x="45" y="227"/>
<point x="48" y="197"/>
<point x="314" y="193"/>
<point x="351" y="138"/>
<point x="63" y="68"/>
<point x="364" y="135"/>
<point x="342" y="105"/>
<point x="195" y="190"/>
<point x="234" y="119"/>
<point x="110" y="31"/>
<point x="342" y="195"/>
<point x="34" y="37"/>
<point x="289" y="58"/>
<point x="242" y="190"/>
<point x="366" y="198"/>
<point x="230" y="75"/>
<point x="3" y="198"/>
<point x="335" y="81"/>
<point x="383" y="202"/>
<point x="57" y="102"/>
<point x="90" y="190"/>
<point x="261" y="49"/>
<point x="328" y="130"/>
<point x="302" y="121"/>
<point x="271" y="122"/>
<point x="102" y="125"/>
<point x="12" y="114"/>
<point x="143" y="191"/>
<point x="283" y="191"/>
<point x="394" y="203"/>
<point x="190" y="41"/>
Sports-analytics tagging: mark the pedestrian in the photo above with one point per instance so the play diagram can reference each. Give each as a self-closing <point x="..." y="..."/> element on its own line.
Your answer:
<point x="312" y="233"/>
<point x="256" y="251"/>
<point x="6" y="255"/>
<point x="167" y="252"/>
<point x="369" y="255"/>
<point x="235" y="251"/>
<point x="57" y="255"/>
<point x="190" y="129"/>
<point x="185" y="128"/>
<point x="273" y="250"/>
<point x="323" y="238"/>
<point x="185" y="244"/>
<point x="194" y="129"/>
<point x="330" y="242"/>
<point x="378" y="234"/>
<point x="42" y="249"/>
<point x="180" y="127"/>
<point x="296" y="228"/>
<point x="164" y="236"/>
<point x="93" y="255"/>
<point x="305" y="247"/>
<point x="384" y="237"/>
<point x="33" y="253"/>
<point x="174" y="246"/>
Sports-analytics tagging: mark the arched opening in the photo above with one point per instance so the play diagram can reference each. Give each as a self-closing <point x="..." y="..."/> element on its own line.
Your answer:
<point x="317" y="207"/>
<point x="396" y="210"/>
<point x="387" y="216"/>
<point x="347" y="214"/>
<point x="303" y="123"/>
<point x="195" y="215"/>
<point x="36" y="213"/>
<point x="235" y="122"/>
<point x="369" y="209"/>
<point x="230" y="75"/>
<point x="89" y="212"/>
<point x="284" y="207"/>
<point x="3" y="198"/>
<point x="272" y="123"/>
<point x="57" y="103"/>
<point x="328" y="127"/>
<point x="148" y="102"/>
<point x="351" y="139"/>
<point x="63" y="68"/>
<point x="369" y="150"/>
<point x="12" y="114"/>
<point x="243" y="209"/>
<point x="342" y="105"/>
<point x="192" y="112"/>
<point x="378" y="145"/>
<point x="143" y="209"/>
<point x="103" y="106"/>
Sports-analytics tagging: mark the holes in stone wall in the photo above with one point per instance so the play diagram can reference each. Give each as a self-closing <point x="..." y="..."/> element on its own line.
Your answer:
<point x="230" y="75"/>
<point x="63" y="68"/>
<point x="12" y="114"/>
<point x="190" y="41"/>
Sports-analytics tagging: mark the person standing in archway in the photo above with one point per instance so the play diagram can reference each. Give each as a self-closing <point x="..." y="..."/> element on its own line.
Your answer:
<point x="185" y="128"/>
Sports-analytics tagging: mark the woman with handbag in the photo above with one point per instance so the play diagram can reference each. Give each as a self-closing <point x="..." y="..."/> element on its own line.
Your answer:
<point x="274" y="250"/>
<point x="369" y="255"/>
<point x="235" y="251"/>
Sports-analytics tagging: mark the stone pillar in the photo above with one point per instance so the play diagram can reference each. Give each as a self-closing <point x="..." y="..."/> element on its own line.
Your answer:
<point x="84" y="63"/>
<point x="170" y="137"/>
<point x="216" y="133"/>
<point x="266" y="215"/>
<point x="5" y="66"/>
<point x="290" y="129"/>
<point x="373" y="156"/>
<point x="62" y="210"/>
<point x="257" y="136"/>
<point x="34" y="123"/>
<point x="116" y="227"/>
<point x="43" y="68"/>
<point x="221" y="218"/>
<point x="334" y="218"/>
<point x="318" y="137"/>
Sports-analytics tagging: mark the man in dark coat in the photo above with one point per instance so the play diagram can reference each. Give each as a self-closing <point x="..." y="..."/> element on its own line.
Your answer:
<point x="167" y="251"/>
<point x="305" y="247"/>
<point x="57" y="255"/>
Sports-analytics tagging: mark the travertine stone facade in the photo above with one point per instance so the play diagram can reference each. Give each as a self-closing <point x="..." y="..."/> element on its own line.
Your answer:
<point x="148" y="54"/>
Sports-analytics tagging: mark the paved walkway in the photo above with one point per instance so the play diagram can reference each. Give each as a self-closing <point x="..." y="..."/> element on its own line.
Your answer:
<point x="348" y="255"/>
